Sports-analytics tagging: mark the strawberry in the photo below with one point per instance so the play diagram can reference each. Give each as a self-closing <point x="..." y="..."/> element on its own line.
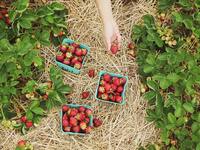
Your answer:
<point x="76" y="129"/>
<point x="75" y="45"/>
<point x="65" y="117"/>
<point x="45" y="97"/>
<point x="99" y="94"/>
<point x="80" y="116"/>
<point x="60" y="58"/>
<point x="122" y="81"/>
<point x="114" y="48"/>
<point x="87" y="120"/>
<point x="84" y="52"/>
<point x="21" y="143"/>
<point x="23" y="119"/>
<point x="67" y="129"/>
<point x="1" y="17"/>
<point x="73" y="121"/>
<point x="68" y="55"/>
<point x="64" y="55"/>
<point x="107" y="87"/>
<point x="88" y="112"/>
<point x="88" y="129"/>
<point x="78" y="52"/>
<point x="81" y="109"/>
<point x="101" y="89"/>
<point x="73" y="112"/>
<point x="85" y="94"/>
<point x="63" y="48"/>
<point x="118" y="99"/>
<point x="112" y="97"/>
<point x="29" y="124"/>
<point x="113" y="87"/>
<point x="97" y="122"/>
<point x="74" y="60"/>
<point x="102" y="82"/>
<point x="106" y="77"/>
<point x="8" y="22"/>
<point x="120" y="89"/>
<point x="91" y="73"/>
<point x="65" y="123"/>
<point x="83" y="125"/>
<point x="77" y="65"/>
<point x="105" y="96"/>
<point x="65" y="108"/>
<point x="131" y="45"/>
<point x="80" y="59"/>
<point x="4" y="12"/>
<point x="71" y="49"/>
<point x="116" y="81"/>
<point x="66" y="62"/>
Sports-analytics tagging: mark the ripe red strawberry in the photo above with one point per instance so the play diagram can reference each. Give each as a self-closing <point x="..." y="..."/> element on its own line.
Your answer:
<point x="63" y="48"/>
<point x="64" y="55"/>
<point x="29" y="124"/>
<point x="85" y="94"/>
<point x="120" y="89"/>
<point x="23" y="119"/>
<point x="74" y="60"/>
<point x="71" y="49"/>
<point x="78" y="52"/>
<point x="118" y="99"/>
<point x="65" y="117"/>
<point x="112" y="97"/>
<point x="80" y="59"/>
<point x="105" y="96"/>
<point x="113" y="87"/>
<point x="106" y="77"/>
<point x="88" y="112"/>
<point x="91" y="73"/>
<point x="81" y="109"/>
<point x="116" y="81"/>
<point x="101" y="89"/>
<point x="68" y="55"/>
<point x="65" y="108"/>
<point x="67" y="129"/>
<point x="21" y="143"/>
<point x="122" y="81"/>
<point x="65" y="123"/>
<point x="66" y="62"/>
<point x="76" y="129"/>
<point x="75" y="45"/>
<point x="8" y="22"/>
<point x="88" y="129"/>
<point x="77" y="65"/>
<point x="1" y="17"/>
<point x="107" y="87"/>
<point x="99" y="95"/>
<point x="80" y="116"/>
<point x="87" y="120"/>
<point x="73" y="121"/>
<point x="60" y="58"/>
<point x="84" y="52"/>
<point x="83" y="125"/>
<point x="114" y="48"/>
<point x="131" y="45"/>
<point x="102" y="82"/>
<point x="3" y="11"/>
<point x="45" y="97"/>
<point x="97" y="122"/>
<point x="73" y="112"/>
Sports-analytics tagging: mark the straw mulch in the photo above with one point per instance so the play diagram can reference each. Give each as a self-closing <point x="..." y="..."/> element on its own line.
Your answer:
<point x="124" y="127"/>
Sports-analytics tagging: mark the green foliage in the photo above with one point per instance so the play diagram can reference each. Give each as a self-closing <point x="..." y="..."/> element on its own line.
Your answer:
<point x="168" y="55"/>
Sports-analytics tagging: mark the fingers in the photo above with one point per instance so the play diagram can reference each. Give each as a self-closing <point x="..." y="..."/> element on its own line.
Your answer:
<point x="108" y="43"/>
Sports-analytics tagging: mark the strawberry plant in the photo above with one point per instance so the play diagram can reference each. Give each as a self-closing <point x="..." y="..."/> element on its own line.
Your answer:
<point x="168" y="55"/>
<point x="23" y="98"/>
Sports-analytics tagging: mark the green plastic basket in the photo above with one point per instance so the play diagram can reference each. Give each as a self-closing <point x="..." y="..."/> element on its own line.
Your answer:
<point x="76" y="106"/>
<point x="113" y="75"/>
<point x="69" y="68"/>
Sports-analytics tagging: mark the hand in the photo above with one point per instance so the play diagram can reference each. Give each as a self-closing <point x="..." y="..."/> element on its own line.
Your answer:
<point x="112" y="34"/>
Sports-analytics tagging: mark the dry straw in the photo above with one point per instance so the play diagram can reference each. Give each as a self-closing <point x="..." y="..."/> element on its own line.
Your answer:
<point x="124" y="127"/>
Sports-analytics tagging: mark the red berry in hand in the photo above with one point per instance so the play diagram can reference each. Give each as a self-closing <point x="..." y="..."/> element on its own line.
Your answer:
<point x="73" y="121"/>
<point x="81" y="109"/>
<point x="84" y="52"/>
<point x="83" y="125"/>
<point x="118" y="99"/>
<point x="23" y="119"/>
<point x="85" y="94"/>
<point x="60" y="58"/>
<point x="97" y="122"/>
<point x="91" y="73"/>
<point x="120" y="89"/>
<point x="114" y="48"/>
<point x="63" y="48"/>
<point x="88" y="129"/>
<point x="65" y="123"/>
<point x="76" y="129"/>
<point x="21" y="143"/>
<point x="116" y="81"/>
<point x="65" y="108"/>
<point x="29" y="124"/>
<point x="88" y="112"/>
<point x="107" y="77"/>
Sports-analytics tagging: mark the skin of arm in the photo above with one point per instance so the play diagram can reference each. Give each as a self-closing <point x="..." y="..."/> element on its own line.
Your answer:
<point x="111" y="30"/>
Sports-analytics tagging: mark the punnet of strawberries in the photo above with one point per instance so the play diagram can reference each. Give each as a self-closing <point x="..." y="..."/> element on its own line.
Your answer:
<point x="71" y="55"/>
<point x="110" y="88"/>
<point x="76" y="119"/>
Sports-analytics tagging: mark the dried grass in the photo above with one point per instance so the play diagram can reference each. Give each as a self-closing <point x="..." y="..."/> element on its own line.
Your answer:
<point x="124" y="127"/>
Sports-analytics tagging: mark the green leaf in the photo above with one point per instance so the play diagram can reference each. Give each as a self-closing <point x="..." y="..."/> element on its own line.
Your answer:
<point x="37" y="110"/>
<point x="198" y="145"/>
<point x="188" y="107"/>
<point x="165" y="83"/>
<point x="171" y="118"/>
<point x="185" y="3"/>
<point x="164" y="136"/>
<point x="149" y="95"/>
<point x="152" y="85"/>
<point x="149" y="21"/>
<point x="148" y="68"/>
<point x="195" y="127"/>
<point x="29" y="86"/>
<point x="188" y="23"/>
<point x="29" y="115"/>
<point x="34" y="104"/>
<point x="173" y="77"/>
<point x="197" y="33"/>
<point x="21" y="5"/>
<point x="197" y="3"/>
<point x="165" y="4"/>
<point x="178" y="16"/>
<point x="65" y="89"/>
<point x="25" y="23"/>
<point x="57" y="6"/>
